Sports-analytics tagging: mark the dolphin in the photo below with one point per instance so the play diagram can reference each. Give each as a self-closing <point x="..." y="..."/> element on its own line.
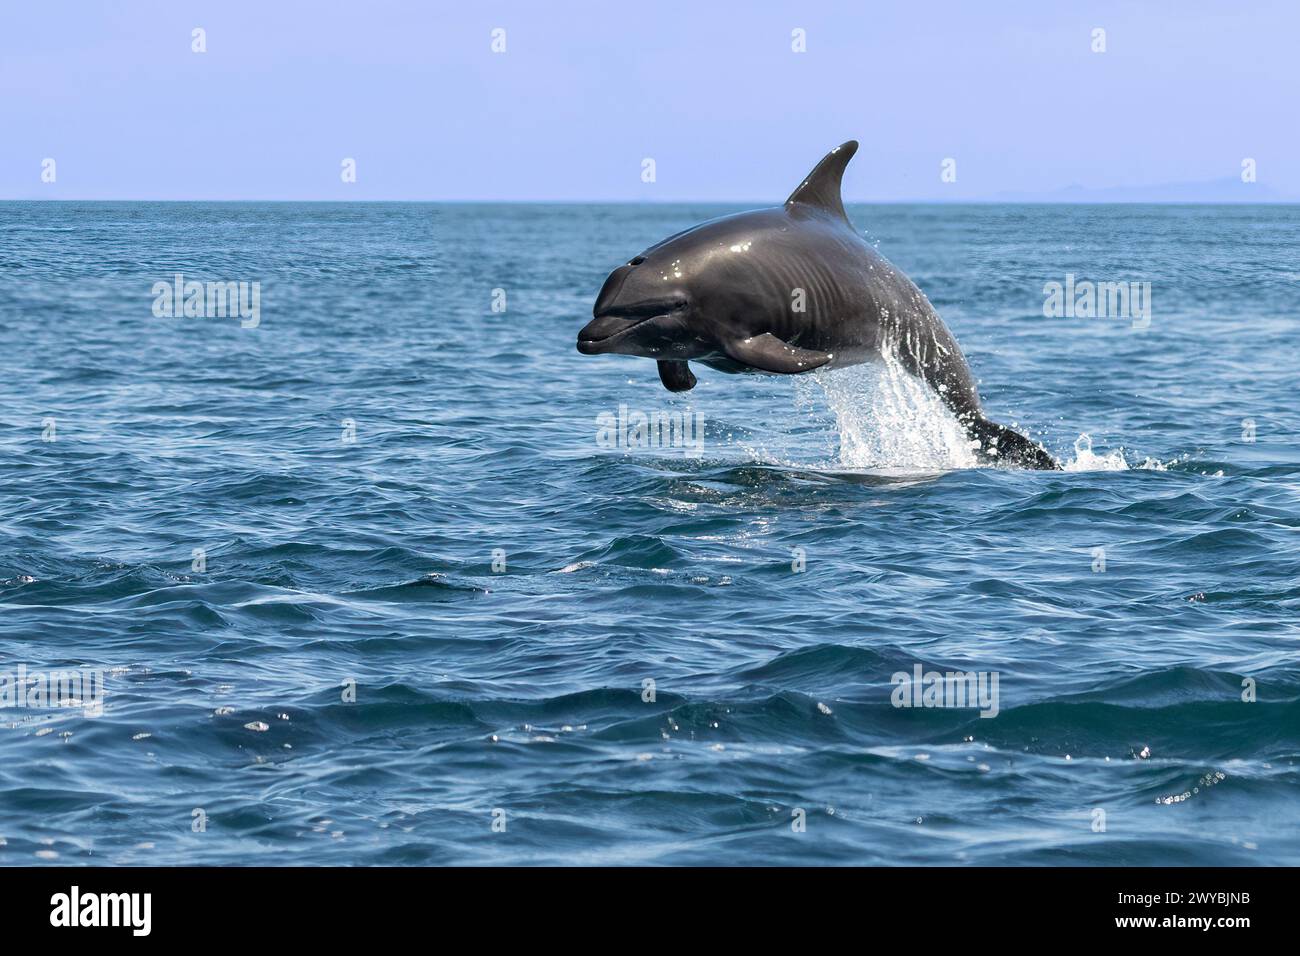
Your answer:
<point x="784" y="291"/>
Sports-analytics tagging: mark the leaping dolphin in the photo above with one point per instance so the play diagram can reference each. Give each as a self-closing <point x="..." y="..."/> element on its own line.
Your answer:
<point x="787" y="290"/>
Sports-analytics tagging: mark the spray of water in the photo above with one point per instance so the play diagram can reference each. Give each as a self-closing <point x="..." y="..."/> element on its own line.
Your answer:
<point x="1085" y="459"/>
<point x="887" y="421"/>
<point x="883" y="420"/>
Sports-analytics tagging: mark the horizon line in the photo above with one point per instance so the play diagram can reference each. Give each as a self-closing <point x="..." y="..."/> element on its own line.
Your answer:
<point x="749" y="203"/>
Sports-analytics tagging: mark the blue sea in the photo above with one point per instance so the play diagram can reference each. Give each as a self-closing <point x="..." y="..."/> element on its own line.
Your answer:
<point x="364" y="579"/>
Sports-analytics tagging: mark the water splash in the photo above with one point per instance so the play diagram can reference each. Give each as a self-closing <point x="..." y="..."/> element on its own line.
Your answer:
<point x="878" y="417"/>
<point x="1085" y="459"/>
<point x="889" y="420"/>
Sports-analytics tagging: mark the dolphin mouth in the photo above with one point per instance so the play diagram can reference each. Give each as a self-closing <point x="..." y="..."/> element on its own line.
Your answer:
<point x="611" y="324"/>
<point x="605" y="330"/>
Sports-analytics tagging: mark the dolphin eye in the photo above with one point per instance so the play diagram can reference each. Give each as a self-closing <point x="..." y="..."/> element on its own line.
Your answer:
<point x="637" y="261"/>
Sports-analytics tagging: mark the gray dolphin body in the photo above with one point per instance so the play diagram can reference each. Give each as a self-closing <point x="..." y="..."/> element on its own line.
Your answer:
<point x="784" y="291"/>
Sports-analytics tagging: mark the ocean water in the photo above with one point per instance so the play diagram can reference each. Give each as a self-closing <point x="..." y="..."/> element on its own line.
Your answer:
<point x="369" y="583"/>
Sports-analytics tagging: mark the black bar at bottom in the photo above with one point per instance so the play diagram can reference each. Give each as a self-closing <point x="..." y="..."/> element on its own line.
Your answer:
<point x="187" y="905"/>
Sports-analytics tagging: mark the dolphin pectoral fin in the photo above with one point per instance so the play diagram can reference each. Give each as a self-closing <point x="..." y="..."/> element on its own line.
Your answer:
<point x="1000" y="444"/>
<point x="767" y="353"/>
<point x="676" y="375"/>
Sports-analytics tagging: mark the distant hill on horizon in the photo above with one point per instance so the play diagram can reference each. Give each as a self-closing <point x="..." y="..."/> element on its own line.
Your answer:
<point x="1226" y="190"/>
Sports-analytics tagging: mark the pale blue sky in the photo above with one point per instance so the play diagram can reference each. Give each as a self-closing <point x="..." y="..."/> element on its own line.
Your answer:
<point x="585" y="91"/>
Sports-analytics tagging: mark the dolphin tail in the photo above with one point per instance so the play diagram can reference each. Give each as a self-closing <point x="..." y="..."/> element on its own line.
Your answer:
<point x="999" y="443"/>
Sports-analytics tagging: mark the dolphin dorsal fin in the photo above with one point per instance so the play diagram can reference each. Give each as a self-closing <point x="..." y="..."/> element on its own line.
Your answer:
<point x="821" y="188"/>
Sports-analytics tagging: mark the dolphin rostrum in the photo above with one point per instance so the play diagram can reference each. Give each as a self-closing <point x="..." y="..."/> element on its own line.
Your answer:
<point x="788" y="290"/>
